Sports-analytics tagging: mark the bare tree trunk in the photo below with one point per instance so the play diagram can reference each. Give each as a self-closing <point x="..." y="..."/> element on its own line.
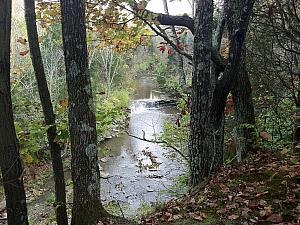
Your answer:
<point x="179" y="57"/>
<point x="87" y="207"/>
<point x="10" y="162"/>
<point x="55" y="149"/>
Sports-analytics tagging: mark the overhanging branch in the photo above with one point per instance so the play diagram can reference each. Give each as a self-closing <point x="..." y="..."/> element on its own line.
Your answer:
<point x="160" y="142"/>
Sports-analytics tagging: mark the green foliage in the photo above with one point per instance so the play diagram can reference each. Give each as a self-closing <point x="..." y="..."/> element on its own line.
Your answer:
<point x="277" y="120"/>
<point x="176" y="136"/>
<point x="31" y="137"/>
<point x="109" y="109"/>
<point x="179" y="187"/>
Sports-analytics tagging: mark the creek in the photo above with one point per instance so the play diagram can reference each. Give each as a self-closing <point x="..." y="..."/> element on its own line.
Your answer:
<point x="139" y="172"/>
<point x="135" y="174"/>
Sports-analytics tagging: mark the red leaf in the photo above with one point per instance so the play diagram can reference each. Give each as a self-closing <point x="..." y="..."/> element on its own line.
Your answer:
<point x="265" y="135"/>
<point x="23" y="53"/>
<point x="162" y="48"/>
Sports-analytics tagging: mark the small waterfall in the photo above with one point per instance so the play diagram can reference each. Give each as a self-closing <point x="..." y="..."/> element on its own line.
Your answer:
<point x="142" y="105"/>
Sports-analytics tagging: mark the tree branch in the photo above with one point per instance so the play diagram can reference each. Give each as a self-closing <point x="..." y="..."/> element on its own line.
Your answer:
<point x="169" y="20"/>
<point x="159" y="142"/>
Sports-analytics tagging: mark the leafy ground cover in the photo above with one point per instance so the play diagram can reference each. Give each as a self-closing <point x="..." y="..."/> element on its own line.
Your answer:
<point x="265" y="189"/>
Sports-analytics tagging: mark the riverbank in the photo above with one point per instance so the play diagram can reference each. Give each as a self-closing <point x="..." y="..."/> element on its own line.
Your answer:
<point x="264" y="189"/>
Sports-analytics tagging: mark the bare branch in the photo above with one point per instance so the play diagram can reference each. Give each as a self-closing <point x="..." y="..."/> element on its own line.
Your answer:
<point x="159" y="142"/>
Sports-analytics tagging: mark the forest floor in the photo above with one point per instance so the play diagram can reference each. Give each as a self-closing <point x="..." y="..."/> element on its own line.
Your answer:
<point x="264" y="189"/>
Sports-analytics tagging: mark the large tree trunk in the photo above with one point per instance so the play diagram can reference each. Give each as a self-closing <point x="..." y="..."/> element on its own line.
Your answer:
<point x="55" y="149"/>
<point x="10" y="162"/>
<point x="208" y="102"/>
<point x="87" y="207"/>
<point x="200" y="140"/>
<point x="243" y="112"/>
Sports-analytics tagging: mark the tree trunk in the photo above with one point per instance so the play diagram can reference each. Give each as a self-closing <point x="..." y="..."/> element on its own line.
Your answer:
<point x="208" y="102"/>
<point x="241" y="91"/>
<point x="10" y="162"/>
<point x="87" y="207"/>
<point x="55" y="149"/>
<point x="200" y="140"/>
<point x="243" y="112"/>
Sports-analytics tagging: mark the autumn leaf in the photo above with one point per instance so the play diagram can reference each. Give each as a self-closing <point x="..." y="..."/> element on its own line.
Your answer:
<point x="24" y="53"/>
<point x="22" y="41"/>
<point x="222" y="211"/>
<point x="213" y="205"/>
<point x="275" y="218"/>
<point x="233" y="217"/>
<point x="162" y="48"/>
<point x="266" y="212"/>
<point x="197" y="216"/>
<point x="265" y="135"/>
<point x="63" y="104"/>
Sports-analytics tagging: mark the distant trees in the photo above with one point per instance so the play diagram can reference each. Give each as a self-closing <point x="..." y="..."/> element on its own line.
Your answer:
<point x="10" y="162"/>
<point x="275" y="40"/>
<point x="87" y="207"/>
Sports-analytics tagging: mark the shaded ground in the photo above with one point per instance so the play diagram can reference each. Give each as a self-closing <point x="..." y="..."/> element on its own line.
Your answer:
<point x="265" y="189"/>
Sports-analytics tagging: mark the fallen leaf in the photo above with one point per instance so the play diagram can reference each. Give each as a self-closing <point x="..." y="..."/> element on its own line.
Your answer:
<point x="266" y="212"/>
<point x="284" y="151"/>
<point x="275" y="218"/>
<point x="213" y="205"/>
<point x="222" y="211"/>
<point x="233" y="217"/>
<point x="252" y="204"/>
<point x="197" y="216"/>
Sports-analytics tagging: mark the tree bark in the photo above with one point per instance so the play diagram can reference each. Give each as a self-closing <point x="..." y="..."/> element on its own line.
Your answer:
<point x="10" y="162"/>
<point x="208" y="102"/>
<point x="200" y="140"/>
<point x="241" y="91"/>
<point x="55" y="149"/>
<point x="243" y="112"/>
<point x="87" y="207"/>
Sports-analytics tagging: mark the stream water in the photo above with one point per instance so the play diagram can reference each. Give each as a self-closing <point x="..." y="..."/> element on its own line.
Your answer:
<point x="139" y="172"/>
<point x="136" y="172"/>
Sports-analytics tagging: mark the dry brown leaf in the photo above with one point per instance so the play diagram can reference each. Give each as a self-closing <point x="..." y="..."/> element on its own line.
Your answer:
<point x="233" y="217"/>
<point x="266" y="212"/>
<point x="213" y="205"/>
<point x="265" y="135"/>
<point x="197" y="216"/>
<point x="275" y="218"/>
<point x="222" y="211"/>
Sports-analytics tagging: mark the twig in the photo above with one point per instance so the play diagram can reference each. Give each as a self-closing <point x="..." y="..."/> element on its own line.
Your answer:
<point x="159" y="142"/>
<point x="121" y="209"/>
